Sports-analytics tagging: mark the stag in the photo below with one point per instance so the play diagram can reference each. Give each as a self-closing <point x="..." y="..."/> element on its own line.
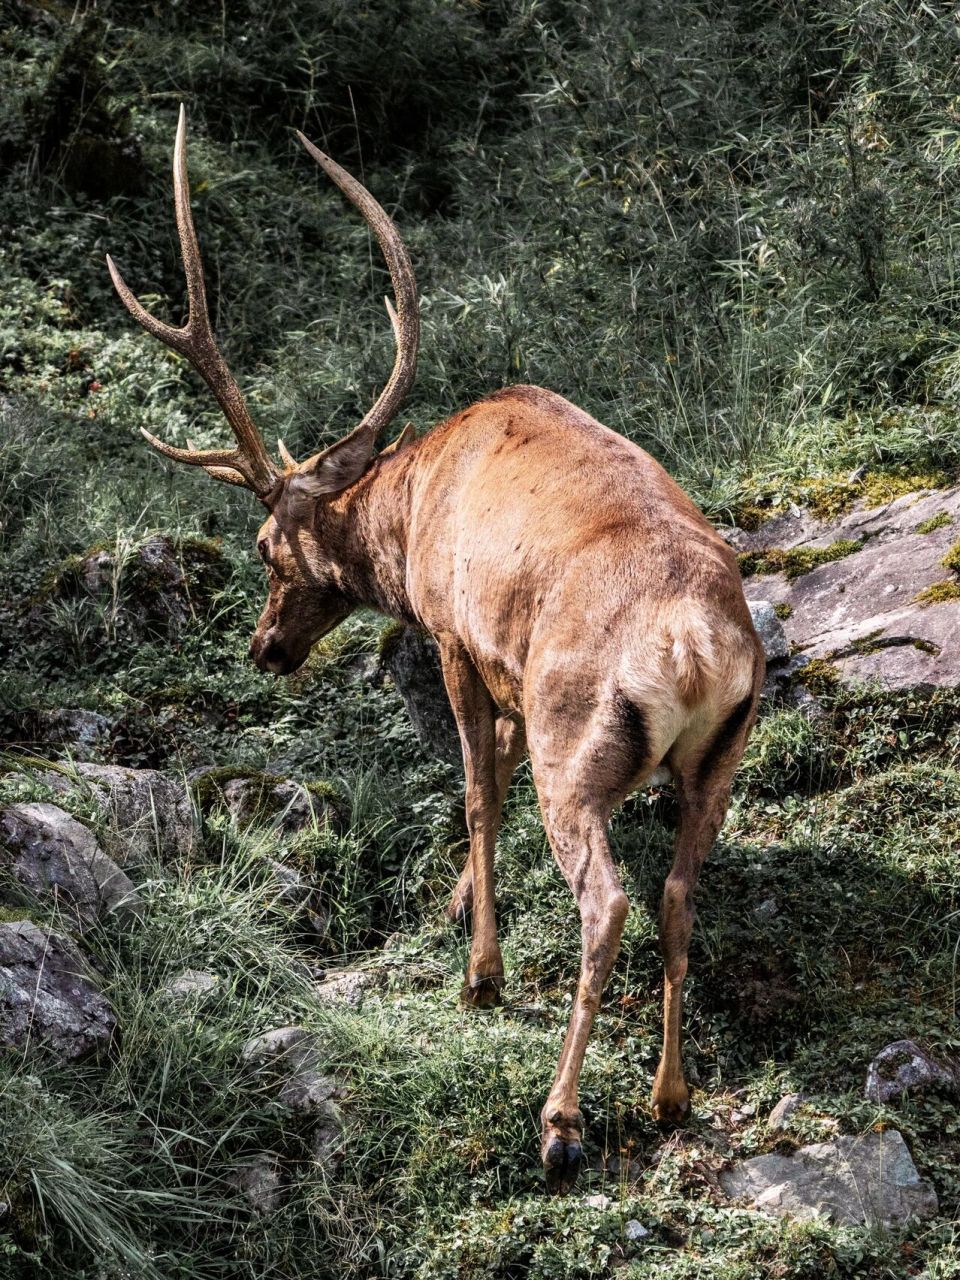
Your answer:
<point x="585" y="612"/>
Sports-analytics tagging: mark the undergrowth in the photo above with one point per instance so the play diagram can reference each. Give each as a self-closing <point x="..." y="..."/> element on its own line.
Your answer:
<point x="728" y="232"/>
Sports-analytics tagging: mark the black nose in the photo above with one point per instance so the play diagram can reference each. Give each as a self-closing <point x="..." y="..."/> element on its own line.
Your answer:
<point x="275" y="655"/>
<point x="269" y="657"/>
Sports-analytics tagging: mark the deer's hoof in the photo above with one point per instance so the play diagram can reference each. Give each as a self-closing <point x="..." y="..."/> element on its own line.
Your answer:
<point x="672" y="1112"/>
<point x="561" y="1149"/>
<point x="482" y="992"/>
<point x="562" y="1158"/>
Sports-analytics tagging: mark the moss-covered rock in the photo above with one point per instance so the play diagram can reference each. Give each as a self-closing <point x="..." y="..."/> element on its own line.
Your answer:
<point x="254" y="798"/>
<point x="125" y="593"/>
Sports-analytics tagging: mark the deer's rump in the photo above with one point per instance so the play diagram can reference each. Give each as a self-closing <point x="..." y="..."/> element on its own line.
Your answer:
<point x="578" y="575"/>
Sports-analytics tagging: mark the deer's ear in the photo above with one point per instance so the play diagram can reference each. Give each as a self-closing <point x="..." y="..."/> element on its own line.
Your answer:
<point x="406" y="436"/>
<point x="335" y="468"/>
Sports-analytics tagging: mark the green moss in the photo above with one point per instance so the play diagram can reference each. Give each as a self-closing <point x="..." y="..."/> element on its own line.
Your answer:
<point x="795" y="561"/>
<point x="389" y="638"/>
<point x="951" y="560"/>
<point x="868" y="643"/>
<point x="938" y="592"/>
<point x="819" y="675"/>
<point x="261" y="803"/>
<point x="208" y="788"/>
<point x="783" y="610"/>
<point x="939" y="521"/>
<point x="883" y="486"/>
<point x="835" y="496"/>
<point x="751" y="515"/>
<point x="12" y="915"/>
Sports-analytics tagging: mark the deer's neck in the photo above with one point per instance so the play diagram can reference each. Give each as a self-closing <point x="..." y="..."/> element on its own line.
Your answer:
<point x="373" y="520"/>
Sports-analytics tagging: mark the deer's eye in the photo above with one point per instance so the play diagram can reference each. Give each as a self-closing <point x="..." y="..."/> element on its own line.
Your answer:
<point x="263" y="546"/>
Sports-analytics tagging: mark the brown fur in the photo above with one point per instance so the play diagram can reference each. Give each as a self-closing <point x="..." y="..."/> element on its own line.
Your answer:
<point x="572" y="584"/>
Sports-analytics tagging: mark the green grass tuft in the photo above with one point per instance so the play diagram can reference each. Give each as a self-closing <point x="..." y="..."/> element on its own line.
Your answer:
<point x="794" y="562"/>
<point x="939" y="521"/>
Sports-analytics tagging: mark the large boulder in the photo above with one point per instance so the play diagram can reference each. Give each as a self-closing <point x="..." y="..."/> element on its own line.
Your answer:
<point x="48" y="995"/>
<point x="53" y="857"/>
<point x="868" y="1180"/>
<point x="870" y="592"/>
<point x="413" y="661"/>
<point x="146" y="813"/>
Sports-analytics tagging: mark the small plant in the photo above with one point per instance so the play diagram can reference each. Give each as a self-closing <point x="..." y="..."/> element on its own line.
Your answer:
<point x="939" y="521"/>
<point x="794" y="562"/>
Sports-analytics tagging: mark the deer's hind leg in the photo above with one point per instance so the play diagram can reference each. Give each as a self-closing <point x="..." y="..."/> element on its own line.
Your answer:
<point x="581" y="776"/>
<point x="703" y="773"/>
<point x="511" y="742"/>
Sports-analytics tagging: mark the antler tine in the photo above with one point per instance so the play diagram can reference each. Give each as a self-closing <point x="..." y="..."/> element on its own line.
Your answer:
<point x="195" y="340"/>
<point x="406" y="319"/>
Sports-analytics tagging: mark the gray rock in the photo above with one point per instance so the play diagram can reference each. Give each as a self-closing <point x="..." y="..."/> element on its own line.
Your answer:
<point x="153" y="589"/>
<point x="413" y="661"/>
<point x="634" y="1230"/>
<point x="904" y="1065"/>
<point x="84" y="731"/>
<point x="599" y="1201"/>
<point x="259" y="1181"/>
<point x="146" y="813"/>
<point x="53" y="856"/>
<point x="286" y="805"/>
<point x="291" y="1055"/>
<point x="769" y="628"/>
<point x="867" y="1180"/>
<point x="781" y="1113"/>
<point x="327" y="1147"/>
<point x="48" y="995"/>
<point x="861" y="613"/>
<point x="346" y="988"/>
<point x="298" y="892"/>
<point x="263" y="799"/>
<point x="191" y="984"/>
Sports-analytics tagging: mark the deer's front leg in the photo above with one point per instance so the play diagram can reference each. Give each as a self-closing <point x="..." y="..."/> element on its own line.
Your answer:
<point x="511" y="744"/>
<point x="474" y="711"/>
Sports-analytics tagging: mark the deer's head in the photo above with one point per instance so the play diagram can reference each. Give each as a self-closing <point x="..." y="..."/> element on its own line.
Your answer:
<point x="304" y="571"/>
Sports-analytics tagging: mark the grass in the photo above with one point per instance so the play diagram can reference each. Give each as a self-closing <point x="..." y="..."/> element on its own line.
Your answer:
<point x="441" y="1169"/>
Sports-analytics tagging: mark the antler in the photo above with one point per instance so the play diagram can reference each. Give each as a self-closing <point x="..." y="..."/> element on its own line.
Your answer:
<point x="249" y="463"/>
<point x="406" y="319"/>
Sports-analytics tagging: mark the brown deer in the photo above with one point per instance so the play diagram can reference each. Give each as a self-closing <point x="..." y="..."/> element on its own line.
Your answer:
<point x="584" y="609"/>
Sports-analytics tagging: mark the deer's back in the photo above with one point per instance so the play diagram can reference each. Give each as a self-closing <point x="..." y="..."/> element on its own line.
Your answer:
<point x="530" y="519"/>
